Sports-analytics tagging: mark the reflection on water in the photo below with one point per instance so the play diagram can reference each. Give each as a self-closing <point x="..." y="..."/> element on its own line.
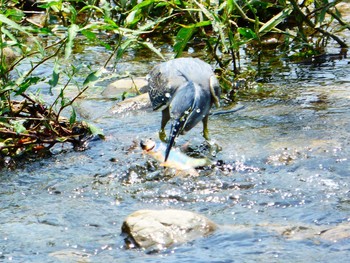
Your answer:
<point x="285" y="161"/>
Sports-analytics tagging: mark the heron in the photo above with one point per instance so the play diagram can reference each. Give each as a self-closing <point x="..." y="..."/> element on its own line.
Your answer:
<point x="184" y="89"/>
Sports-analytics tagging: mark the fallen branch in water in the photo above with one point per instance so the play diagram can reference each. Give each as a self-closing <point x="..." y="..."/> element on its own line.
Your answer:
<point x="31" y="128"/>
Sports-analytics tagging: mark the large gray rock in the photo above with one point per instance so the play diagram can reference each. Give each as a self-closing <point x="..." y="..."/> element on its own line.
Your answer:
<point x="160" y="229"/>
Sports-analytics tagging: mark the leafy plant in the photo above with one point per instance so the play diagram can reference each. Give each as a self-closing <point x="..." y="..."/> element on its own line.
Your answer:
<point x="27" y="124"/>
<point x="223" y="29"/>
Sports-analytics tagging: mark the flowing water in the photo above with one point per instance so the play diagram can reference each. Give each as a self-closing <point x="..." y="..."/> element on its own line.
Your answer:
<point x="285" y="164"/>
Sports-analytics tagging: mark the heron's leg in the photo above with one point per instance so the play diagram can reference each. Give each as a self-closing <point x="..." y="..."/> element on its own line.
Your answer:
<point x="165" y="119"/>
<point x="205" y="128"/>
<point x="213" y="147"/>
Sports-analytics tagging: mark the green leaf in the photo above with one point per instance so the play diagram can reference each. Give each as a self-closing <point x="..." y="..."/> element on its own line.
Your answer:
<point x="133" y="17"/>
<point x="72" y="33"/>
<point x="64" y="100"/>
<point x="230" y="6"/>
<point x="123" y="47"/>
<point x="49" y="4"/>
<point x="55" y="75"/>
<point x="216" y="23"/>
<point x="94" y="130"/>
<point x="18" y="126"/>
<point x="182" y="38"/>
<point x="89" y="35"/>
<point x="22" y="87"/>
<point x="13" y="24"/>
<point x="15" y="14"/>
<point x="274" y="21"/>
<point x="10" y="87"/>
<point x="9" y="34"/>
<point x="92" y="78"/>
<point x="73" y="14"/>
<point x="143" y="4"/>
<point x="199" y="24"/>
<point x="61" y="139"/>
<point x="90" y="7"/>
<point x="73" y="117"/>
<point x="150" y="46"/>
<point x="247" y="33"/>
<point x="151" y="24"/>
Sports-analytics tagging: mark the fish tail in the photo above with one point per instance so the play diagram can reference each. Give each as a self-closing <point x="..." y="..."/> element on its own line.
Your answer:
<point x="199" y="162"/>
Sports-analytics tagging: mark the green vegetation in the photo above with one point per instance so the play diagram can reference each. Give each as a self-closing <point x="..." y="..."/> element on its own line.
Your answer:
<point x="29" y="125"/>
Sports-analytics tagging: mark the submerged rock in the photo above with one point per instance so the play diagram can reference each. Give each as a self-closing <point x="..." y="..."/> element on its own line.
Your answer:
<point x="71" y="255"/>
<point x="336" y="233"/>
<point x="160" y="229"/>
<point x="120" y="86"/>
<point x="311" y="232"/>
<point x="9" y="55"/>
<point x="135" y="103"/>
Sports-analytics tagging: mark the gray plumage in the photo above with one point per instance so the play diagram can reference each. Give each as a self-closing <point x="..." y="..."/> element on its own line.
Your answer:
<point x="184" y="89"/>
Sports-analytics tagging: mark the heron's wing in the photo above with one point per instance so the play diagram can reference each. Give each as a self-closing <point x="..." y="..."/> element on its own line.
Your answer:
<point x="163" y="81"/>
<point x="183" y="102"/>
<point x="201" y="73"/>
<point x="215" y="90"/>
<point x="165" y="78"/>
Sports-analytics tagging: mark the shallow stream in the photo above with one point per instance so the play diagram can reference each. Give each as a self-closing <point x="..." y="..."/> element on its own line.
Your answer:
<point x="286" y="159"/>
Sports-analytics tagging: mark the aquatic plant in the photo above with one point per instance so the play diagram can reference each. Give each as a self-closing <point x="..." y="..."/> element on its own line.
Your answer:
<point x="29" y="125"/>
<point x="223" y="29"/>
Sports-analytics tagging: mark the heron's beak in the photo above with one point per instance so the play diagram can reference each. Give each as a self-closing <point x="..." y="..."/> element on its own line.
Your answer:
<point x="176" y="128"/>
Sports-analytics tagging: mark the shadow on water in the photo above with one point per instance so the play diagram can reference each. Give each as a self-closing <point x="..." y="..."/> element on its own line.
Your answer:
<point x="285" y="162"/>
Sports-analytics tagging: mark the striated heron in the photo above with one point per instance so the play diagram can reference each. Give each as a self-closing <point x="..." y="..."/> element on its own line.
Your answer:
<point x="184" y="89"/>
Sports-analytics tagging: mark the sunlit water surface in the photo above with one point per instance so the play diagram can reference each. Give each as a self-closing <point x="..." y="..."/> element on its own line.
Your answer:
<point x="286" y="164"/>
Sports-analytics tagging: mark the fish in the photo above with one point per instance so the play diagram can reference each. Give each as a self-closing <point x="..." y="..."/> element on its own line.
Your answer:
<point x="177" y="159"/>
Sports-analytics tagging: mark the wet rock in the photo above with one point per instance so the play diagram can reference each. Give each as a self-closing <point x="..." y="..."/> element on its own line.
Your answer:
<point x="344" y="8"/>
<point x="131" y="104"/>
<point x="308" y="232"/>
<point x="336" y="233"/>
<point x="129" y="85"/>
<point x="9" y="55"/>
<point x="70" y="255"/>
<point x="160" y="229"/>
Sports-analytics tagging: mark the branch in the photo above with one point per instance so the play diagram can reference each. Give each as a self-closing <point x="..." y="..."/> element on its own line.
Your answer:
<point x="34" y="53"/>
<point x="71" y="102"/>
<point x="339" y="19"/>
<point x="312" y="25"/>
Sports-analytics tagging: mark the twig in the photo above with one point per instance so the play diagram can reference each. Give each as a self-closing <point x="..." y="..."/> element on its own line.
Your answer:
<point x="71" y="102"/>
<point x="34" y="53"/>
<point x="18" y="134"/>
<point x="339" y="19"/>
<point x="43" y="60"/>
<point x="312" y="25"/>
<point x="65" y="86"/>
